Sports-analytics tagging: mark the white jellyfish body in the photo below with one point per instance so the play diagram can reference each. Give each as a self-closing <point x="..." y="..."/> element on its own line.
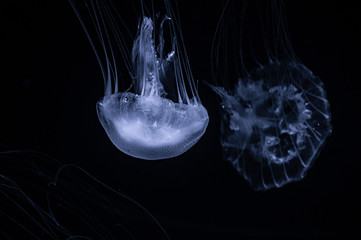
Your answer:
<point x="149" y="124"/>
<point x="151" y="127"/>
<point x="146" y="124"/>
<point x="275" y="119"/>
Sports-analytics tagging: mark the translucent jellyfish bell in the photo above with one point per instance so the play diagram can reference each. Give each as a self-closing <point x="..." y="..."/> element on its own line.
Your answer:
<point x="277" y="117"/>
<point x="149" y="123"/>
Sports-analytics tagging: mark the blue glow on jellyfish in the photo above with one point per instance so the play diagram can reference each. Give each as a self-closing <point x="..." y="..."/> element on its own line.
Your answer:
<point x="149" y="123"/>
<point x="276" y="117"/>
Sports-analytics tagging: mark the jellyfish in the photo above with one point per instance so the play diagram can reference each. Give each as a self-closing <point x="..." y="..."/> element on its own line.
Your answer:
<point x="163" y="116"/>
<point x="276" y="117"/>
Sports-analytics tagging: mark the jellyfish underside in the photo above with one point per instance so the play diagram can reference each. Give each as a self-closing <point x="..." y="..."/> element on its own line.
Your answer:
<point x="274" y="123"/>
<point x="146" y="124"/>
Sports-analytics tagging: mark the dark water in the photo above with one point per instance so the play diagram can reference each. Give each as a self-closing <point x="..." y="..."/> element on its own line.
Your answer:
<point x="49" y="87"/>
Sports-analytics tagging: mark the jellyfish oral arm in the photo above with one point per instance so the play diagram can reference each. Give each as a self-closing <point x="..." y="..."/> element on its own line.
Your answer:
<point x="147" y="63"/>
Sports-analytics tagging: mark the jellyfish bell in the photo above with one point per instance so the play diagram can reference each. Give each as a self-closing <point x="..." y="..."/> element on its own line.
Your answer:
<point x="149" y="123"/>
<point x="276" y="118"/>
<point x="151" y="127"/>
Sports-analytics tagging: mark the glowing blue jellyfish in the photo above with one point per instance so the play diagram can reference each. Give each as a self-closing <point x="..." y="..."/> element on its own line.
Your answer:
<point x="277" y="116"/>
<point x="150" y="123"/>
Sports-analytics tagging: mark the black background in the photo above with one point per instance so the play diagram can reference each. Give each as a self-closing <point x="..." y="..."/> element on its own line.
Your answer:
<point x="50" y="83"/>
